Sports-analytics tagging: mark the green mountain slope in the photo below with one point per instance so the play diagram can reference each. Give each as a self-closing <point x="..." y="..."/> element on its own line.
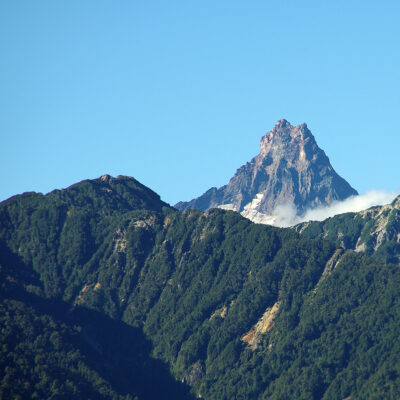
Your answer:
<point x="132" y="297"/>
<point x="375" y="231"/>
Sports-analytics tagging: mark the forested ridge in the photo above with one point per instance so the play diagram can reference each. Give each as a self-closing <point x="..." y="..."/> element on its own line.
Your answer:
<point x="375" y="231"/>
<point x="107" y="292"/>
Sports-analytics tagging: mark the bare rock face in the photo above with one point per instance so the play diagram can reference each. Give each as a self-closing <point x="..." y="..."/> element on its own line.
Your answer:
<point x="290" y="169"/>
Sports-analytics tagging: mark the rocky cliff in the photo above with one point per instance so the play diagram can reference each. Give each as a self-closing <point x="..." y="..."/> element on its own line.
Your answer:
<point x="290" y="169"/>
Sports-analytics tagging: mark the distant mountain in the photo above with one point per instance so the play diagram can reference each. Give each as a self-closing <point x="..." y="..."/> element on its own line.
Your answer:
<point x="375" y="231"/>
<point x="106" y="292"/>
<point x="290" y="168"/>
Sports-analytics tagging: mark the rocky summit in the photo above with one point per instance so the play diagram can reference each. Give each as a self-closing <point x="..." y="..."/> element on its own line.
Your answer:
<point x="289" y="170"/>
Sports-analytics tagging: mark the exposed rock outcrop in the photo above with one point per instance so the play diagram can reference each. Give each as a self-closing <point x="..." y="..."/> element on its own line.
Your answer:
<point x="290" y="168"/>
<point x="264" y="324"/>
<point x="373" y="231"/>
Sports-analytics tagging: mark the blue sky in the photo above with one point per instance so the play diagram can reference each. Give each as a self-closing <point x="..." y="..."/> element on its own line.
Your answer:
<point x="178" y="93"/>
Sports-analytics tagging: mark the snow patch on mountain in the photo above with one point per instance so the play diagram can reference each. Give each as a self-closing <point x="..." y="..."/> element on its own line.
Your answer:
<point x="251" y="211"/>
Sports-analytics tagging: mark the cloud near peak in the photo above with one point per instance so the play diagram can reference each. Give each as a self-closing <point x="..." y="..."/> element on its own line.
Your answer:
<point x="286" y="214"/>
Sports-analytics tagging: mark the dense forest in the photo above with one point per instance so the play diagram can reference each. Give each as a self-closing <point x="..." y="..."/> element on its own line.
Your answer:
<point x="375" y="231"/>
<point x="107" y="292"/>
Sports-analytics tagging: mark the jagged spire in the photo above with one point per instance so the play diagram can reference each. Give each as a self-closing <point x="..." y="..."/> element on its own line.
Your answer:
<point x="290" y="168"/>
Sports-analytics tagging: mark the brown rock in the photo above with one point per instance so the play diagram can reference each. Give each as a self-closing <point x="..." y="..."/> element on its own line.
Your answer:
<point x="290" y="168"/>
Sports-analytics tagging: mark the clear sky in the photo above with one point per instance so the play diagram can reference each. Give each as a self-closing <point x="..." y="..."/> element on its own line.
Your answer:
<point x="178" y="93"/>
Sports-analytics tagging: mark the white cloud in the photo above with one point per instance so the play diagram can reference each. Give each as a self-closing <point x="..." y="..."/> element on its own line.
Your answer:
<point x="285" y="215"/>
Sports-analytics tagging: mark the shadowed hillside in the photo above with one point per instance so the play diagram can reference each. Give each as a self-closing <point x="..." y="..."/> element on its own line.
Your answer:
<point x="108" y="292"/>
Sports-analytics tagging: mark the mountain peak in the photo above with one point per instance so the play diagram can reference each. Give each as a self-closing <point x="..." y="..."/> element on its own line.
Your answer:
<point x="287" y="141"/>
<point x="112" y="194"/>
<point x="282" y="123"/>
<point x="290" y="169"/>
<point x="396" y="203"/>
<point x="109" y="178"/>
<point x="284" y="128"/>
